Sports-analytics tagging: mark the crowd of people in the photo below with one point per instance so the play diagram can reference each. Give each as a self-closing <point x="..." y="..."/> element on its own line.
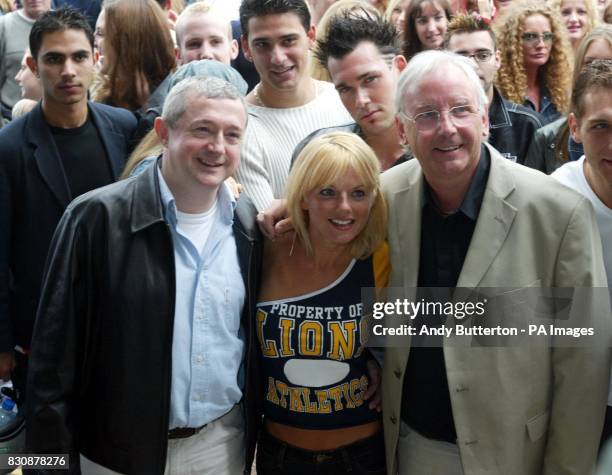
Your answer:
<point x="200" y="199"/>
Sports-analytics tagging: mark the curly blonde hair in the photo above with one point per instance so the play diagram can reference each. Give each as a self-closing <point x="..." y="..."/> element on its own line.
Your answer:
<point x="556" y="73"/>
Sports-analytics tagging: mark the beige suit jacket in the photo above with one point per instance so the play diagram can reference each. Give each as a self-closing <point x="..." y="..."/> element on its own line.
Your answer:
<point x="517" y="410"/>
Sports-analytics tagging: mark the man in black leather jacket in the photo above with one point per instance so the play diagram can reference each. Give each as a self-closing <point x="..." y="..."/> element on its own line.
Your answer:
<point x="511" y="126"/>
<point x="139" y="312"/>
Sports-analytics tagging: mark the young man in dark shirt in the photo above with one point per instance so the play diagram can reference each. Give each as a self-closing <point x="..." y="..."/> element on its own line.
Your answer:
<point x="64" y="147"/>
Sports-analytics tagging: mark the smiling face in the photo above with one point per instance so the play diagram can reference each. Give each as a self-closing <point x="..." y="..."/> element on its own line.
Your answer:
<point x="366" y="84"/>
<point x="536" y="53"/>
<point x="576" y="19"/>
<point x="203" y="148"/>
<point x="594" y="130"/>
<point x="338" y="212"/>
<point x="35" y="8"/>
<point x="205" y="36"/>
<point x="450" y="151"/>
<point x="65" y="67"/>
<point x="278" y="45"/>
<point x="430" y="25"/>
<point x="398" y="16"/>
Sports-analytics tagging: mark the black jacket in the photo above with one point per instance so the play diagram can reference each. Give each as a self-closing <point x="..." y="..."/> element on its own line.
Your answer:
<point x="100" y="369"/>
<point x="34" y="192"/>
<point x="511" y="127"/>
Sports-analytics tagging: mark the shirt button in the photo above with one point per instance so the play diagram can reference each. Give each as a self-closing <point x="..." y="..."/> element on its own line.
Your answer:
<point x="199" y="358"/>
<point x="393" y="420"/>
<point x="398" y="373"/>
<point x="460" y="388"/>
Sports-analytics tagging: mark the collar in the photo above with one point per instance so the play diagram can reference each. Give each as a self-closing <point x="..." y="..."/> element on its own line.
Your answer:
<point x="225" y="197"/>
<point x="498" y="113"/>
<point x="470" y="206"/>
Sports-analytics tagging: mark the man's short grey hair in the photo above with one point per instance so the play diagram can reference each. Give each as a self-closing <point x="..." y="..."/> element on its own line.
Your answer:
<point x="198" y="86"/>
<point x="425" y="63"/>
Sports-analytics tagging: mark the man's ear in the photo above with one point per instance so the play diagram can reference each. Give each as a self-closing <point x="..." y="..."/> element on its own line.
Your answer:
<point x="161" y="129"/>
<point x="399" y="63"/>
<point x="31" y="62"/>
<point x="244" y="41"/>
<point x="312" y="36"/>
<point x="572" y="122"/>
<point x="234" y="49"/>
<point x="401" y="130"/>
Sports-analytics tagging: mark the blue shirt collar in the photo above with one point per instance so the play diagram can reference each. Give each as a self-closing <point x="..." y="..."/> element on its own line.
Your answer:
<point x="226" y="201"/>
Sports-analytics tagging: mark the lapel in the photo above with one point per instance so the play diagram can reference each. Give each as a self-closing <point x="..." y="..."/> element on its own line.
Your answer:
<point x="406" y="205"/>
<point x="494" y="222"/>
<point x="47" y="156"/>
<point x="113" y="142"/>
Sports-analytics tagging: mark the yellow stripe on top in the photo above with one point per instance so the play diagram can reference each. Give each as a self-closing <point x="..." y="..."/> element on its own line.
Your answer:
<point x="382" y="266"/>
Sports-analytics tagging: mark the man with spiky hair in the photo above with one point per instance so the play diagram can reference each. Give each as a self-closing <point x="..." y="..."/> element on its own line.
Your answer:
<point x="362" y="55"/>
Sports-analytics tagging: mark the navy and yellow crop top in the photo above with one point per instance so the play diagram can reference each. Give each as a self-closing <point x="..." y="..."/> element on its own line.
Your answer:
<point x="314" y="363"/>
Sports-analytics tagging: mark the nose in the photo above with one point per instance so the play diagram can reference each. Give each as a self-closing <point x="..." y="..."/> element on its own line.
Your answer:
<point x="216" y="143"/>
<point x="344" y="204"/>
<point x="361" y="97"/>
<point x="278" y="55"/>
<point x="446" y="124"/>
<point x="573" y="16"/>
<point x="205" y="52"/>
<point x="69" y="68"/>
<point x="18" y="76"/>
<point x="431" y="25"/>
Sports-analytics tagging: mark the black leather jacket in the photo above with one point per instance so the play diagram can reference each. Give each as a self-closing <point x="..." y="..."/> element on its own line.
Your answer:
<point x="100" y="371"/>
<point x="511" y="127"/>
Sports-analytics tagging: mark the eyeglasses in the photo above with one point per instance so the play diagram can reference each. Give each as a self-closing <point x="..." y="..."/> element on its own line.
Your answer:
<point x="460" y="116"/>
<point x="532" y="38"/>
<point x="479" y="56"/>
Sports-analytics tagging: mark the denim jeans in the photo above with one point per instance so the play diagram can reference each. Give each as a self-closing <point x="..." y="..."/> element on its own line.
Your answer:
<point x="364" y="457"/>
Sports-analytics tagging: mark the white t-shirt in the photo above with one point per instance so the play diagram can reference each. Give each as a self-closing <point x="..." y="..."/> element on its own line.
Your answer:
<point x="572" y="175"/>
<point x="196" y="227"/>
<point x="272" y="135"/>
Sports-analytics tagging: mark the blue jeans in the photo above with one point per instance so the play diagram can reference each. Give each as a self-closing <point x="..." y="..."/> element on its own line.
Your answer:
<point x="364" y="457"/>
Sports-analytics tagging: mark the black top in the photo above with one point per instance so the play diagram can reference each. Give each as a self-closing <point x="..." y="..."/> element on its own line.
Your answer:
<point x="83" y="157"/>
<point x="444" y="244"/>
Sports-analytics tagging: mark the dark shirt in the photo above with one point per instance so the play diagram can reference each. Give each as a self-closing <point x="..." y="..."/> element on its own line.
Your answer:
<point x="85" y="163"/>
<point x="445" y="242"/>
<point x="547" y="109"/>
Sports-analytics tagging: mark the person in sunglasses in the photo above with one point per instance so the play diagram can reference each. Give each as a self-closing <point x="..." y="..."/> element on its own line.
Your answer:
<point x="511" y="125"/>
<point x="534" y="32"/>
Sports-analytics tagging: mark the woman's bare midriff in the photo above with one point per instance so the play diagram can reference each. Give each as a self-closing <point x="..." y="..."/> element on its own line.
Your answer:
<point x="319" y="440"/>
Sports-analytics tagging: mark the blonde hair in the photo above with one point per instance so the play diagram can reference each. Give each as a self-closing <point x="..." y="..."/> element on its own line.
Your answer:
<point x="150" y="145"/>
<point x="324" y="160"/>
<point x="393" y="4"/>
<point x="200" y="8"/>
<point x="317" y="71"/>
<point x="556" y="73"/>
<point x="589" y="6"/>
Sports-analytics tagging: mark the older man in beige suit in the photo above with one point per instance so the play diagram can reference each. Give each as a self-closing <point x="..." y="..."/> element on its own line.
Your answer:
<point x="462" y="216"/>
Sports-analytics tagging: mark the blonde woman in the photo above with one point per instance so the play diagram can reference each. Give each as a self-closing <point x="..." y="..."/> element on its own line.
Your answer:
<point x="579" y="16"/>
<point x="339" y="215"/>
<point x="396" y="14"/>
<point x="535" y="58"/>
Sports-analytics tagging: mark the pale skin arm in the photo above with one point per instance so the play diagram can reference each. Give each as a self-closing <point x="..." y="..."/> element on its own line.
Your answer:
<point x="273" y="221"/>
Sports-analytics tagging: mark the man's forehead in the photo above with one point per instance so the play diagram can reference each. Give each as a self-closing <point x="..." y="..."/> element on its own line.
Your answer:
<point x="222" y="111"/>
<point x="472" y="40"/>
<point x="65" y="40"/>
<point x="275" y="25"/>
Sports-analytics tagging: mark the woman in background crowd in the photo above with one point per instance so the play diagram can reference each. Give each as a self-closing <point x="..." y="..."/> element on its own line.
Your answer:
<point x="138" y="52"/>
<point x="535" y="58"/>
<point x="579" y="16"/>
<point x="425" y="25"/>
<point x="552" y="145"/>
<point x="396" y="14"/>
<point x="319" y="417"/>
<point x="316" y="70"/>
